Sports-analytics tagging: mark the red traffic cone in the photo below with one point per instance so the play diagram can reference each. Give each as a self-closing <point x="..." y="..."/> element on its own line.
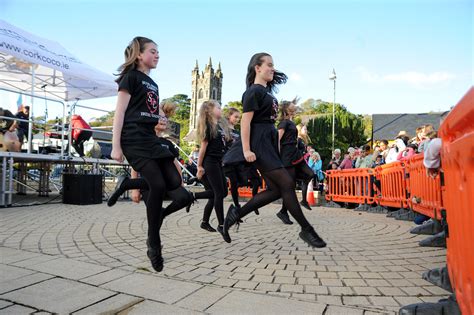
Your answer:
<point x="310" y="194"/>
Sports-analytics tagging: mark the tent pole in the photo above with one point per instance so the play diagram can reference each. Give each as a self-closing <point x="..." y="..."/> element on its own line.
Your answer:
<point x="30" y="124"/>
<point x="63" y="129"/>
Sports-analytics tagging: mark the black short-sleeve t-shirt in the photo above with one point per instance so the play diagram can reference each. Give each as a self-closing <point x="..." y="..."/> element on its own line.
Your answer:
<point x="259" y="100"/>
<point x="289" y="152"/>
<point x="290" y="136"/>
<point x="143" y="107"/>
<point x="217" y="145"/>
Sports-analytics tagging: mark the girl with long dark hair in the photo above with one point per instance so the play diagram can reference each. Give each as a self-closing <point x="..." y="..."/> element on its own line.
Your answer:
<point x="259" y="139"/>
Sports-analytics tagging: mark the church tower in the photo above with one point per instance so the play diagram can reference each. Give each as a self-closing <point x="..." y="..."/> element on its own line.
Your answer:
<point x="206" y="85"/>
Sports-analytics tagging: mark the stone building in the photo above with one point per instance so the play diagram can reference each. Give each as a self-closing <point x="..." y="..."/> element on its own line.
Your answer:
<point x="206" y="85"/>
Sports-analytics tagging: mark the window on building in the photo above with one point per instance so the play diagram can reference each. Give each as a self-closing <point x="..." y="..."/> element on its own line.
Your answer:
<point x="214" y="94"/>
<point x="200" y="93"/>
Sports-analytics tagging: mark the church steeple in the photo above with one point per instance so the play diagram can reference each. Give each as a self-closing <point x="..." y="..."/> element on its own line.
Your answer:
<point x="206" y="85"/>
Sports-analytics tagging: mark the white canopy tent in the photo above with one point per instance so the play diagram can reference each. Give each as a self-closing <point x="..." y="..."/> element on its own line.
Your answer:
<point x="30" y="64"/>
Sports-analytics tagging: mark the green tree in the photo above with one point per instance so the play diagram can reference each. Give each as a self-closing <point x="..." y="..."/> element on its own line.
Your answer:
<point x="349" y="130"/>
<point x="182" y="114"/>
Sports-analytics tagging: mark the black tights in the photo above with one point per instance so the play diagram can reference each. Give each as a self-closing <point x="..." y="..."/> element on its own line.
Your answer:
<point x="235" y="176"/>
<point x="215" y="181"/>
<point x="180" y="197"/>
<point x="161" y="176"/>
<point x="302" y="172"/>
<point x="280" y="185"/>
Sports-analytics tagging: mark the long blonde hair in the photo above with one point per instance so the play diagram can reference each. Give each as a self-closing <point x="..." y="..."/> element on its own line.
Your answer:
<point x="134" y="48"/>
<point x="207" y="120"/>
<point x="303" y="136"/>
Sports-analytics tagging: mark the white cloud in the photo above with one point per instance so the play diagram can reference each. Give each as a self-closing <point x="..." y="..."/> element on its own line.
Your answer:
<point x="410" y="77"/>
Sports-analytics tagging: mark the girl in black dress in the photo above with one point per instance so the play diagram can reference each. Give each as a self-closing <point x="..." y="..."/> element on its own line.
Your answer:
<point x="213" y="135"/>
<point x="260" y="145"/>
<point x="136" y="115"/>
<point x="290" y="153"/>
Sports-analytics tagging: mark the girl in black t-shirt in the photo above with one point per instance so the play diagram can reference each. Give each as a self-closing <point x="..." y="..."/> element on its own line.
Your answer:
<point x="234" y="172"/>
<point x="136" y="115"/>
<point x="260" y="145"/>
<point x="290" y="154"/>
<point x="214" y="137"/>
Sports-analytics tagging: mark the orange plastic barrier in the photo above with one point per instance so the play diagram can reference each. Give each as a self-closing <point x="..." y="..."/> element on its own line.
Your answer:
<point x="457" y="155"/>
<point x="424" y="191"/>
<point x="246" y="192"/>
<point x="351" y="185"/>
<point x="393" y="185"/>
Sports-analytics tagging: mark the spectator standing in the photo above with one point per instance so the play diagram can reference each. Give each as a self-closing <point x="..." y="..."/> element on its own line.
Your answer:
<point x="22" y="129"/>
<point x="365" y="159"/>
<point x="347" y="162"/>
<point x="336" y="158"/>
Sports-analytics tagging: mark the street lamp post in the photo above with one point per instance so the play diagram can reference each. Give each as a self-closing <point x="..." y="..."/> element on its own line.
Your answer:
<point x="333" y="78"/>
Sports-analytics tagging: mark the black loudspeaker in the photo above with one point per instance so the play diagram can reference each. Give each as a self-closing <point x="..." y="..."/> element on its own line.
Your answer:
<point x="82" y="189"/>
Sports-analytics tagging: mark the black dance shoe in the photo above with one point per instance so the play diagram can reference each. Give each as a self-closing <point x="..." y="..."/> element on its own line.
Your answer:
<point x="310" y="236"/>
<point x="284" y="217"/>
<point x="154" y="254"/>
<point x="232" y="217"/>
<point x="306" y="205"/>
<point x="225" y="235"/>
<point x="118" y="191"/>
<point x="191" y="202"/>
<point x="206" y="226"/>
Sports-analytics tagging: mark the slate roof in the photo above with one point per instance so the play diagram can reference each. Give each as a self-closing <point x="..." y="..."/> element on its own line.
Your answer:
<point x="387" y="126"/>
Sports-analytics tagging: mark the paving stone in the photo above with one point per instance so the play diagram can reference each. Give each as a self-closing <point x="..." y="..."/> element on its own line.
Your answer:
<point x="293" y="288"/>
<point x="329" y="299"/>
<point x="383" y="301"/>
<point x="355" y="300"/>
<point x="17" y="310"/>
<point x="224" y="282"/>
<point x="332" y="282"/>
<point x="151" y="287"/>
<point x="391" y="291"/>
<point x="262" y="304"/>
<point x="268" y="287"/>
<point x="4" y="304"/>
<point x="151" y="307"/>
<point x="246" y="284"/>
<point x="203" y="298"/>
<point x="338" y="310"/>
<point x="69" y="268"/>
<point x="340" y="291"/>
<point x="14" y="284"/>
<point x="284" y="280"/>
<point x="45" y="295"/>
<point x="366" y="291"/>
<point x="111" y="305"/>
<point x="105" y="277"/>
<point x="317" y="289"/>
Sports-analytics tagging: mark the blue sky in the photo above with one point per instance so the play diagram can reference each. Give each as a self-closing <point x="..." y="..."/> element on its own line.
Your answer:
<point x="389" y="56"/>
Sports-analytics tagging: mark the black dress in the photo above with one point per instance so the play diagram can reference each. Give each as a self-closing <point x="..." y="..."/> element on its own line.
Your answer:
<point x="263" y="134"/>
<point x="138" y="139"/>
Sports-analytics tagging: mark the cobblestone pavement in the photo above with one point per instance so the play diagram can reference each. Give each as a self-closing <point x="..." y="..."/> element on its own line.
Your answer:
<point x="63" y="258"/>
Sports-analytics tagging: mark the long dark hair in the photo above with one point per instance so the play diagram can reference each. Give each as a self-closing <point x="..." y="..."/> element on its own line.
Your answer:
<point x="257" y="60"/>
<point x="134" y="48"/>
